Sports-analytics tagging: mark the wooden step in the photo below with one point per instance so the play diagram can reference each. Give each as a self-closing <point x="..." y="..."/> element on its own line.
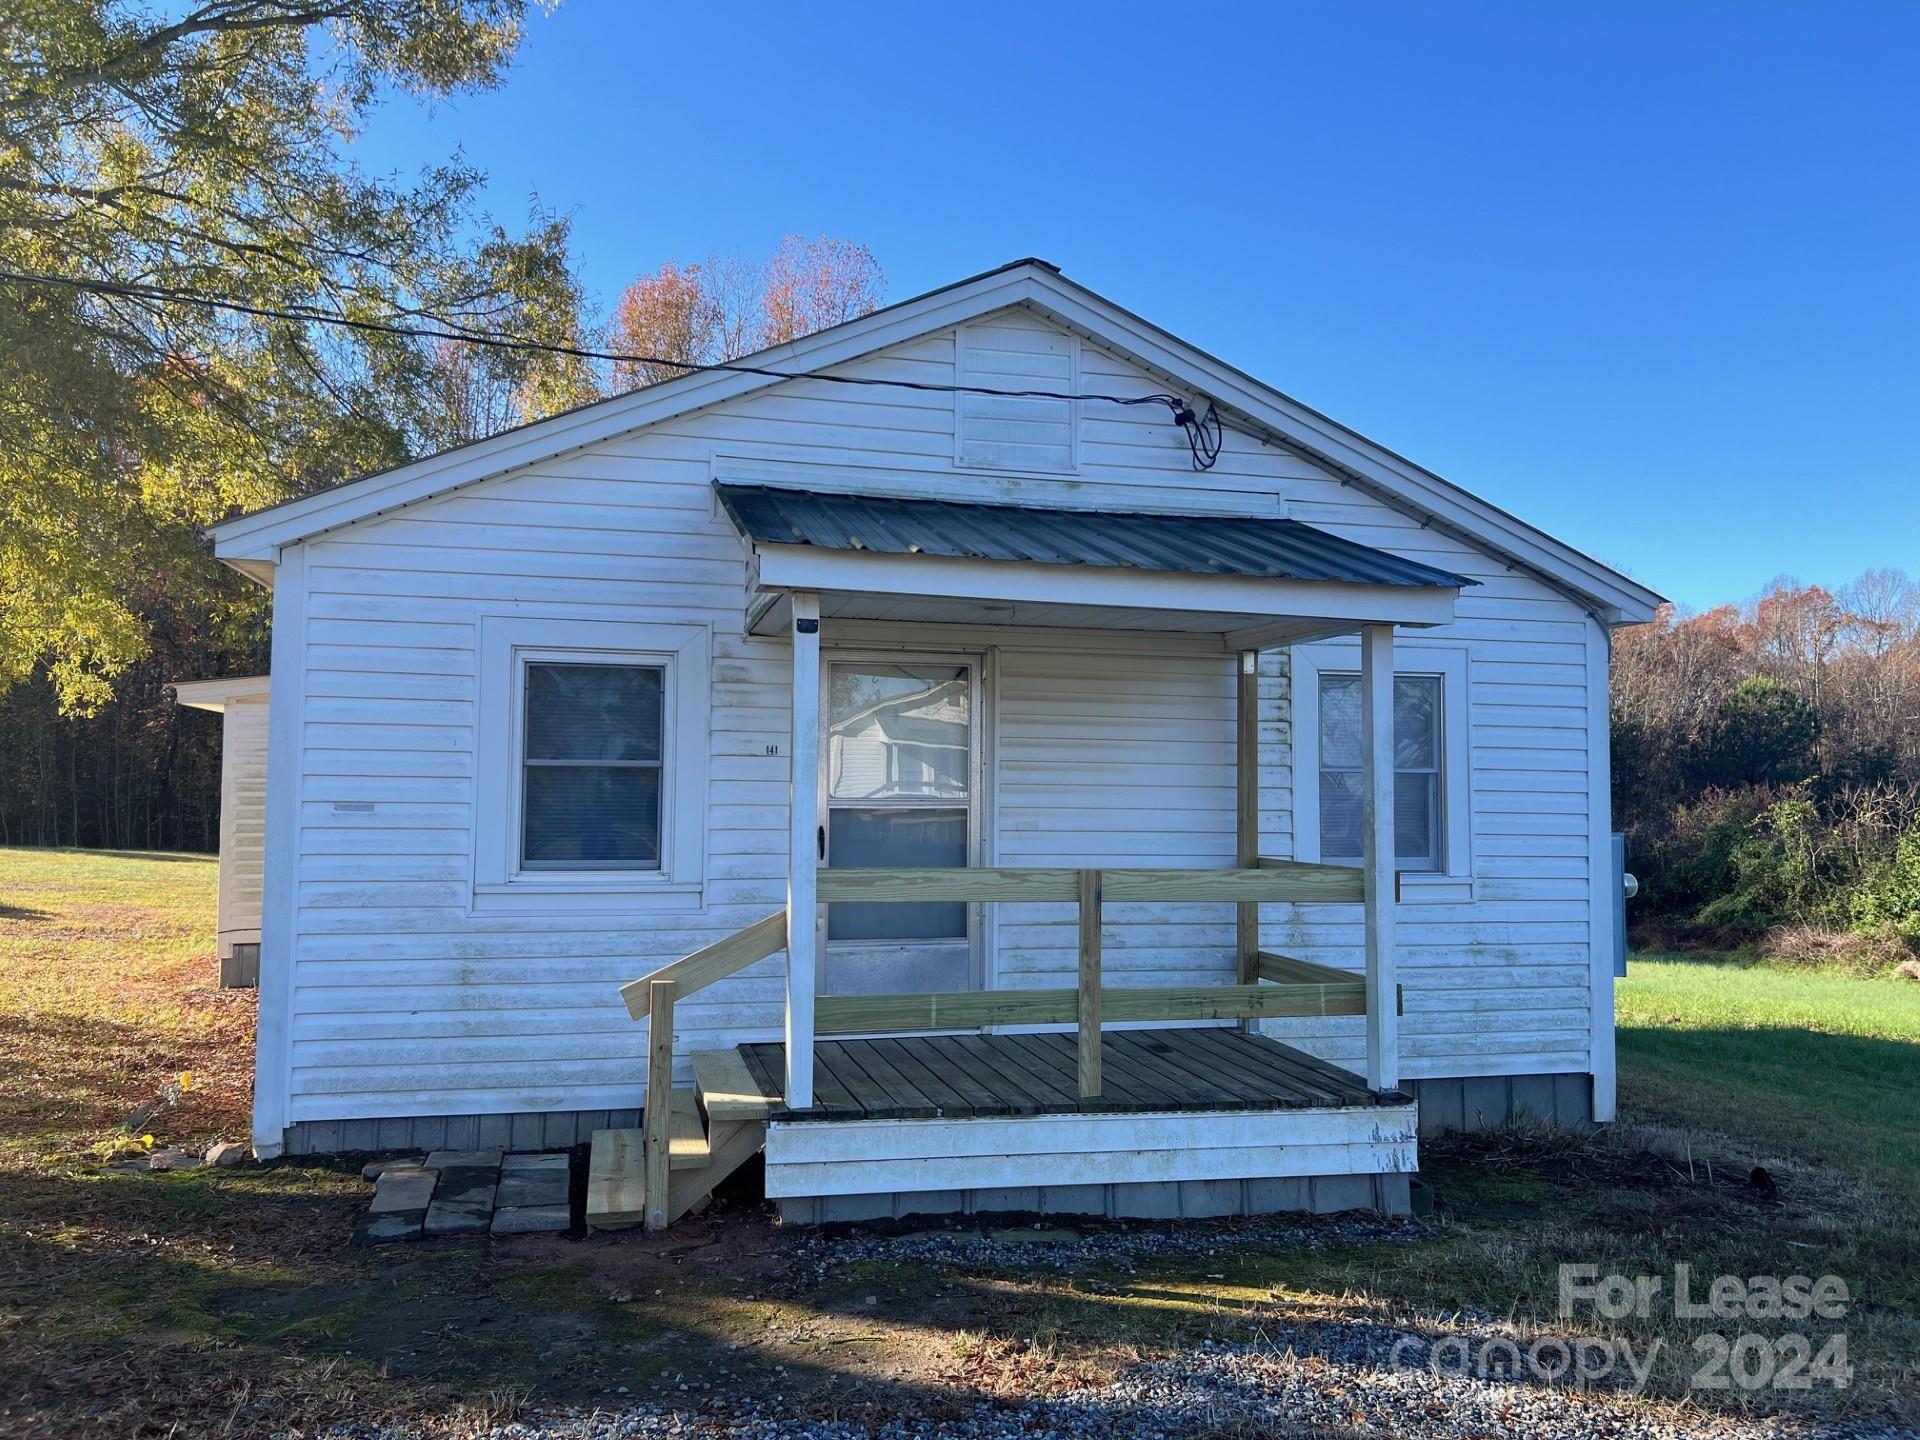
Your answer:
<point x="727" y="1089"/>
<point x="687" y="1144"/>
<point x="616" y="1180"/>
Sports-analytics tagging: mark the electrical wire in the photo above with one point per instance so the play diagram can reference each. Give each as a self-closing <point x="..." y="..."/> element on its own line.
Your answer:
<point x="1203" y="433"/>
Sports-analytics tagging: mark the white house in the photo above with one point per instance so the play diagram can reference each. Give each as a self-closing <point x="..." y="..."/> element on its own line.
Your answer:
<point x="994" y="805"/>
<point x="241" y="704"/>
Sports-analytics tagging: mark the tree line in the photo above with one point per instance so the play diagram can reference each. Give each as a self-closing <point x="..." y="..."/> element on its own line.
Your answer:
<point x="1767" y="766"/>
<point x="195" y="153"/>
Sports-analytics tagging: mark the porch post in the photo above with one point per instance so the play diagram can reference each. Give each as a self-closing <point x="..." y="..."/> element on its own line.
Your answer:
<point x="1247" y="813"/>
<point x="1376" y="778"/>
<point x="803" y="808"/>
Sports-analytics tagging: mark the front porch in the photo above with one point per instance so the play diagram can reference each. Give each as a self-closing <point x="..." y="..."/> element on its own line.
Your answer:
<point x="1043" y="1095"/>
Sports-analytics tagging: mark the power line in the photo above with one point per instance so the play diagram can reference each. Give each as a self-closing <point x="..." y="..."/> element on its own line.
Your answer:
<point x="1203" y="433"/>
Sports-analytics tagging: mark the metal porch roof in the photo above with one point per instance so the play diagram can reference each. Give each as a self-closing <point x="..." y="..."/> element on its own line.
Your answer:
<point x="1195" y="544"/>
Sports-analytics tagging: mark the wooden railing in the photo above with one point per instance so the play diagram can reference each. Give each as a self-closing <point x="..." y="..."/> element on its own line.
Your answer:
<point x="1270" y="985"/>
<point x="651" y="998"/>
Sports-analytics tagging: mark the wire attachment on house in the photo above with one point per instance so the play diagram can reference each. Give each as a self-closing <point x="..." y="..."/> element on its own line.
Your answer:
<point x="1204" y="433"/>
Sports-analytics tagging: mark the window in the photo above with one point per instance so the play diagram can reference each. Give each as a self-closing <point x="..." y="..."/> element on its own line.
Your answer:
<point x="590" y="787"/>
<point x="1432" y="762"/>
<point x="899" y="776"/>
<point x="1416" y="770"/>
<point x="592" y="754"/>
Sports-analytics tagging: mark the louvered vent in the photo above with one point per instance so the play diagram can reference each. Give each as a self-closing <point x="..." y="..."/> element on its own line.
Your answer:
<point x="997" y="432"/>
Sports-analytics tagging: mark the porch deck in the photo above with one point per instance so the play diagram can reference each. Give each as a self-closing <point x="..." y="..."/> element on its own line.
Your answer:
<point x="977" y="1076"/>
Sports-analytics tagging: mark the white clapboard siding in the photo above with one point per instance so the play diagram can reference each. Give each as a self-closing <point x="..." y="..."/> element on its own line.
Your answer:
<point x="243" y="809"/>
<point x="409" y="998"/>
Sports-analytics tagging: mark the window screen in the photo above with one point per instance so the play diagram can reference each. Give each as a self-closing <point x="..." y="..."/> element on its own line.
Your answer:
<point x="590" y="781"/>
<point x="1416" y="770"/>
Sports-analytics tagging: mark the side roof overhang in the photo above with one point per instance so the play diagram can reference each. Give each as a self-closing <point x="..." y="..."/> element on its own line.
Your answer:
<point x="216" y="695"/>
<point x="251" y="543"/>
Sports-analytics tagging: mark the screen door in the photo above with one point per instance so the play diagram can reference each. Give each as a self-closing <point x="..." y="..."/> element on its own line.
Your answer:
<point x="900" y="770"/>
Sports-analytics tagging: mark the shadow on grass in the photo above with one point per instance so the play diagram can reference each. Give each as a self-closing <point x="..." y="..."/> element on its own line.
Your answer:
<point x="1844" y="1076"/>
<point x="71" y="1073"/>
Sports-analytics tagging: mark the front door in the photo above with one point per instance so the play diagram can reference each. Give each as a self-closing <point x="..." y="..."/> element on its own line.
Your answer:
<point x="899" y="787"/>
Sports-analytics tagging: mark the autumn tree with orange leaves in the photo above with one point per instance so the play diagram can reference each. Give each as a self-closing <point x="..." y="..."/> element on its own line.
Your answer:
<point x="724" y="307"/>
<point x="1767" y="759"/>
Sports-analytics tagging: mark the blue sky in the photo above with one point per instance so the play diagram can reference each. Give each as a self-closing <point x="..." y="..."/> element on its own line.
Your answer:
<point x="1646" y="275"/>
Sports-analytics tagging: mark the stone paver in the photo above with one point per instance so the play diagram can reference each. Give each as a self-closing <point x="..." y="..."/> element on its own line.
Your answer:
<point x="465" y="1193"/>
<point x="386" y="1229"/>
<point x="537" y="1187"/>
<point x="403" y="1187"/>
<point x="465" y="1186"/>
<point x="531" y="1219"/>
<point x="446" y="1217"/>
<point x="464" y="1160"/>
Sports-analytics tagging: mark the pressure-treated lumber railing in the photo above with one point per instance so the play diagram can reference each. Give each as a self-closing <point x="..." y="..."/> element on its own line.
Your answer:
<point x="1272" y="985"/>
<point x="651" y="998"/>
<point x="1297" y="987"/>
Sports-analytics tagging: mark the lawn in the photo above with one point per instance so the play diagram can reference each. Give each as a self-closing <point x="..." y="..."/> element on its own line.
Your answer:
<point x="230" y="1302"/>
<point x="1823" y="1067"/>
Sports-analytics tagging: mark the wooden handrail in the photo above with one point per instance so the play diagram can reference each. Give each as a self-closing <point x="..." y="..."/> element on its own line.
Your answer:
<point x="1272" y="882"/>
<point x="651" y="998"/>
<point x="966" y="1009"/>
<point x="715" y="962"/>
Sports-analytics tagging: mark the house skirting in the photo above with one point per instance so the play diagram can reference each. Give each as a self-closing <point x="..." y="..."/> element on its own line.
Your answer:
<point x="1140" y="1200"/>
<point x="1476" y="1103"/>
<point x="1470" y="1103"/>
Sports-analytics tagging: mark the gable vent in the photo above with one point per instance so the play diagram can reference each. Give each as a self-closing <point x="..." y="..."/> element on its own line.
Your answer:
<point x="997" y="432"/>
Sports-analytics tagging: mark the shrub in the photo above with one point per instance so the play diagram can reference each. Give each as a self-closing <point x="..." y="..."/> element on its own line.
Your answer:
<point x="1853" y="952"/>
<point x="1889" y="896"/>
<point x="1774" y="871"/>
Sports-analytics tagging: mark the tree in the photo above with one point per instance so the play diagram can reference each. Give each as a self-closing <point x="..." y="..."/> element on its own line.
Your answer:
<point x="1764" y="734"/>
<point x="197" y="151"/>
<point x="724" y="307"/>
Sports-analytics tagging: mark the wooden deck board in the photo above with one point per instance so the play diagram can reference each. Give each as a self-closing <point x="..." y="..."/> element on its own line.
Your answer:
<point x="1223" y="1085"/>
<point x="1269" y="1070"/>
<point x="960" y="1076"/>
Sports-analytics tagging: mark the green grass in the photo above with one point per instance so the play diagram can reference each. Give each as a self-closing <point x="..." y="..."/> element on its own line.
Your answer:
<point x="1821" y="1067"/>
<point x="132" y="1304"/>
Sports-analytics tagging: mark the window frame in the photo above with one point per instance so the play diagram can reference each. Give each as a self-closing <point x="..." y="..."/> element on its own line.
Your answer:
<point x="1434" y="860"/>
<point x="509" y="644"/>
<point x="525" y="662"/>
<point x="1452" y="875"/>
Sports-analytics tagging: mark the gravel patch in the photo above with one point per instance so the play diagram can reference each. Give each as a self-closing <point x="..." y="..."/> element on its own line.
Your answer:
<point x="1108" y="1245"/>
<point x="1366" y="1382"/>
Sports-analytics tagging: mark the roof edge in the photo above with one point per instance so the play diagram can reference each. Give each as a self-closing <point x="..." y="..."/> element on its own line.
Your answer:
<point x="1613" y="597"/>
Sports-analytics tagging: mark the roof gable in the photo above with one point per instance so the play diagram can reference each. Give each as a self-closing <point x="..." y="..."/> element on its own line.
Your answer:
<point x="251" y="541"/>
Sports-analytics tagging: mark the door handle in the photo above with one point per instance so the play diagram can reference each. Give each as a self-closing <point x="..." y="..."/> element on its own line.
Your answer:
<point x="820" y="841"/>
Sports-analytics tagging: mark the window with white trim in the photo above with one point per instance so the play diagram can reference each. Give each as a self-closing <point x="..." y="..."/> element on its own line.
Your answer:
<point x="590" y="766"/>
<point x="1416" y="770"/>
<point x="1433" y="831"/>
<point x="592" y="757"/>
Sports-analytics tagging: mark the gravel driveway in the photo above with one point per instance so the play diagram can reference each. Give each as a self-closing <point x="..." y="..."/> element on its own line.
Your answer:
<point x="1370" y="1381"/>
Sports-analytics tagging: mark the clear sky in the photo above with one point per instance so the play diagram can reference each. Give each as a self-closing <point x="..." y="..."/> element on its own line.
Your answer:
<point x="1646" y="275"/>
